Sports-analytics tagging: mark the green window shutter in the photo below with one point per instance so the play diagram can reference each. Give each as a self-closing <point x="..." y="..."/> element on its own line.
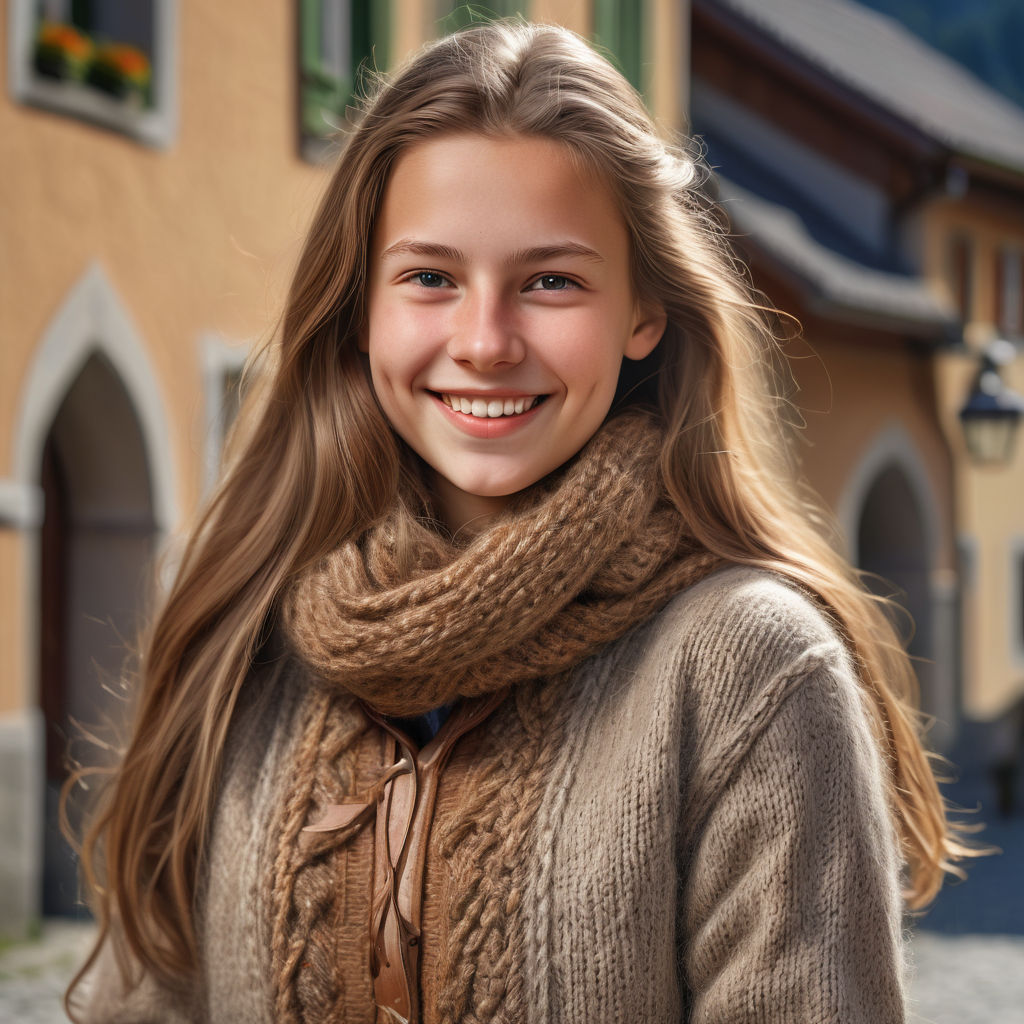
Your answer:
<point x="371" y="30"/>
<point x="380" y="22"/>
<point x="325" y="83"/>
<point x="338" y="39"/>
<point x="619" y="27"/>
<point x="462" y="15"/>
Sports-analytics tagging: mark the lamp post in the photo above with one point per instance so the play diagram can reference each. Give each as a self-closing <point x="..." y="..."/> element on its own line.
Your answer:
<point x="992" y="413"/>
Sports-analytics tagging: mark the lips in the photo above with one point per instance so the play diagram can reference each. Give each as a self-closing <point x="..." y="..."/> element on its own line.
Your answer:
<point x="489" y="408"/>
<point x="484" y="416"/>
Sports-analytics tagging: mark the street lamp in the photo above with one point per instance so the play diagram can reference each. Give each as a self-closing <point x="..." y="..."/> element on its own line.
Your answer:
<point x="992" y="413"/>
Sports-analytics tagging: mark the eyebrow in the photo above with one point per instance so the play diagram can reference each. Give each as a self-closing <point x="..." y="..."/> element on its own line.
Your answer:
<point x="535" y="254"/>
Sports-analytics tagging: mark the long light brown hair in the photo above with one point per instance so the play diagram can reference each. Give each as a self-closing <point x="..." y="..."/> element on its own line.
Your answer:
<point x="314" y="462"/>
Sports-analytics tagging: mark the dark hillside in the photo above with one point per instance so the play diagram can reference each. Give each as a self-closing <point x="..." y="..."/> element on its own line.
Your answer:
<point x="986" y="36"/>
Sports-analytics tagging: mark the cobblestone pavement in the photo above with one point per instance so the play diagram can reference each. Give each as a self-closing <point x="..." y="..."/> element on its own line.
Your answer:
<point x="967" y="979"/>
<point x="34" y="974"/>
<point x="959" y="979"/>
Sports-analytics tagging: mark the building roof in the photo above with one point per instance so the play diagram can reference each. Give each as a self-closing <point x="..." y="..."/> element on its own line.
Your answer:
<point x="836" y="285"/>
<point x="877" y="58"/>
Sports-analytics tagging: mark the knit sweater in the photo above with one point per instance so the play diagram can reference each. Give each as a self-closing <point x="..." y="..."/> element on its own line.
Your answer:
<point x="711" y="843"/>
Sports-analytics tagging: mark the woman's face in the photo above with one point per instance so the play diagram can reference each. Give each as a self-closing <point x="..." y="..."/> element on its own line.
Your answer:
<point x="500" y="308"/>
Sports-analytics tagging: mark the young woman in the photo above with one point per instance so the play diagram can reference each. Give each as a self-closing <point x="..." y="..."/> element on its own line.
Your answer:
<point x="506" y="677"/>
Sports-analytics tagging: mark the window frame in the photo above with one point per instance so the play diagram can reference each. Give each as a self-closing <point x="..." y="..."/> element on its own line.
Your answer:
<point x="221" y="360"/>
<point x="960" y="273"/>
<point x="1009" y="291"/>
<point x="154" y="126"/>
<point x="1015" y="602"/>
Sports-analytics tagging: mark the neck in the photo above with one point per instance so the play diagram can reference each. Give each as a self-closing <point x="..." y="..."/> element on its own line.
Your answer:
<point x="464" y="514"/>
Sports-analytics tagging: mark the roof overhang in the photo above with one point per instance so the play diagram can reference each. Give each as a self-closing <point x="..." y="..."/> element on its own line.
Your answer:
<point x="833" y="286"/>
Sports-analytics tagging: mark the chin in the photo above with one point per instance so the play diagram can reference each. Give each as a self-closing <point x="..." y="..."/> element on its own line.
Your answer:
<point x="504" y="486"/>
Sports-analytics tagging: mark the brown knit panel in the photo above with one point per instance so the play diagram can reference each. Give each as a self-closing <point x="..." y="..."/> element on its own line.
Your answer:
<point x="319" y="896"/>
<point x="479" y="970"/>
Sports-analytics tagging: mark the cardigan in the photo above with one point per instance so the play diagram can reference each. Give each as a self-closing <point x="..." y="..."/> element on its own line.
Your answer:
<point x="712" y="844"/>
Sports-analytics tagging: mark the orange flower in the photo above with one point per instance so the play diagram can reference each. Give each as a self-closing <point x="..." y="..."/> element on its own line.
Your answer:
<point x="127" y="61"/>
<point x="65" y="39"/>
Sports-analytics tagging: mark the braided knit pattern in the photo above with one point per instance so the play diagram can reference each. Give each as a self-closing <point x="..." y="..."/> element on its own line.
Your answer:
<point x="569" y="567"/>
<point x="480" y="968"/>
<point x="315" y="906"/>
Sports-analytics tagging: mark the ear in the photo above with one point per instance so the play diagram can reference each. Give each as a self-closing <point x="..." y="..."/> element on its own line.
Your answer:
<point x="649" y="326"/>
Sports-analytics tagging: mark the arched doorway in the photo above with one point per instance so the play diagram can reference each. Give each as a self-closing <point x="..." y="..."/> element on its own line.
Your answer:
<point x="892" y="543"/>
<point x="97" y="543"/>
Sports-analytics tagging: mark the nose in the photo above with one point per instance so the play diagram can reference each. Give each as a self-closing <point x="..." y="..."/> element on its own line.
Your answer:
<point x="484" y="335"/>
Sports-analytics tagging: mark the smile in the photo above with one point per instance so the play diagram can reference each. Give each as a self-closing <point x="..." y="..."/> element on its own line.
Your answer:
<point x="489" y="408"/>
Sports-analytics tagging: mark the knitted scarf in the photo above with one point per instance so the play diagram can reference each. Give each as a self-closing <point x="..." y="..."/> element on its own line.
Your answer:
<point x="407" y="620"/>
<point x="570" y="566"/>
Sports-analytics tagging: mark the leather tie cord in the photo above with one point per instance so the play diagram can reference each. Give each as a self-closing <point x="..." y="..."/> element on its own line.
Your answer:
<point x="403" y="802"/>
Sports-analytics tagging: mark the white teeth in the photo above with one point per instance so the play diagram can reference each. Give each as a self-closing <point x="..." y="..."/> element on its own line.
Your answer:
<point x="483" y="408"/>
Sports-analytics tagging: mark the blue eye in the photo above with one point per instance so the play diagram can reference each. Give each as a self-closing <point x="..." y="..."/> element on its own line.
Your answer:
<point x="429" y="279"/>
<point x="552" y="283"/>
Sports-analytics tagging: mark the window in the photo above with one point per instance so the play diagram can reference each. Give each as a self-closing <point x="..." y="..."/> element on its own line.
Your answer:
<point x="1009" y="290"/>
<point x="340" y="40"/>
<point x="960" y="275"/>
<point x="224" y="387"/>
<point x="103" y="61"/>
<point x="1016" y="602"/>
<point x="619" y="27"/>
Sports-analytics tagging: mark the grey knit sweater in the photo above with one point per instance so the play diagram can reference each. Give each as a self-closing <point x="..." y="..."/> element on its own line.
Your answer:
<point x="712" y="843"/>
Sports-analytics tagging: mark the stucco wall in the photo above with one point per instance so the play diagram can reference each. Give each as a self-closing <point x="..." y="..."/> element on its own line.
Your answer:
<point x="990" y="500"/>
<point x="196" y="238"/>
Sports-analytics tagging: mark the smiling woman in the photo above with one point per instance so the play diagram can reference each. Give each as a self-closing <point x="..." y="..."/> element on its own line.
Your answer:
<point x="495" y="685"/>
<point x="527" y="299"/>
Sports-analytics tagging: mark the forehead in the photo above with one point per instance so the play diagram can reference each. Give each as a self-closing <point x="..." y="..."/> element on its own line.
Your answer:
<point x="487" y="191"/>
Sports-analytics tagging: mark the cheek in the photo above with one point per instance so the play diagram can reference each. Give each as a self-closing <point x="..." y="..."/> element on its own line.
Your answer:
<point x="385" y="372"/>
<point x="402" y="338"/>
<point x="588" y="365"/>
<point x="390" y="357"/>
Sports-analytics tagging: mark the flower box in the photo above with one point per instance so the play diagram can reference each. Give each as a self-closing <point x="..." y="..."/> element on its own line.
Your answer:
<point x="120" y="70"/>
<point x="62" y="51"/>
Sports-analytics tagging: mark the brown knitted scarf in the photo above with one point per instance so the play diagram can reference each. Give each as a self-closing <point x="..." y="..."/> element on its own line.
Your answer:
<point x="407" y="621"/>
<point x="572" y="565"/>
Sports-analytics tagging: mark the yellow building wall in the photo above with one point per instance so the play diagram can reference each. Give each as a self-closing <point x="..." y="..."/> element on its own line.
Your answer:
<point x="847" y="397"/>
<point x="990" y="500"/>
<point x="668" y="42"/>
<point x="195" y="238"/>
<point x="13" y="668"/>
<point x="575" y="14"/>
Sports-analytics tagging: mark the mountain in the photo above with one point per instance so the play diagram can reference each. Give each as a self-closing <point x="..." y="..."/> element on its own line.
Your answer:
<point x="986" y="36"/>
